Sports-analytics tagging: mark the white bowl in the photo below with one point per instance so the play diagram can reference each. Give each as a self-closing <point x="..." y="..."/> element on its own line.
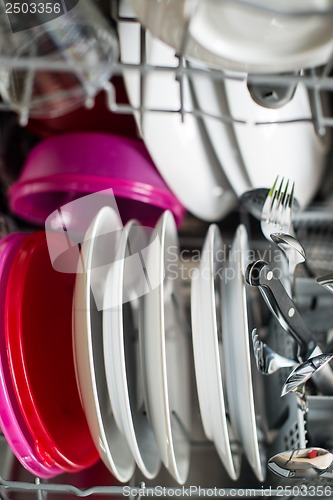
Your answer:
<point x="233" y="36"/>
<point x="290" y="149"/>
<point x="181" y="151"/>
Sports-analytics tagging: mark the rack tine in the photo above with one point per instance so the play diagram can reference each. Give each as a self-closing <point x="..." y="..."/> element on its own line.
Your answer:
<point x="41" y="495"/>
<point x="142" y="77"/>
<point x="182" y="427"/>
<point x="191" y="12"/>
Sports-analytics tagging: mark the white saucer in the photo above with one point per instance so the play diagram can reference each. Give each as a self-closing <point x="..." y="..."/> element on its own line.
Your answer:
<point x="125" y="283"/>
<point x="207" y="344"/>
<point x="97" y="251"/>
<point x="237" y="355"/>
<point x="166" y="351"/>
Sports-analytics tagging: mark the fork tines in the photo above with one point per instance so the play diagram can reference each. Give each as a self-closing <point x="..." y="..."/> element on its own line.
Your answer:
<point x="278" y="206"/>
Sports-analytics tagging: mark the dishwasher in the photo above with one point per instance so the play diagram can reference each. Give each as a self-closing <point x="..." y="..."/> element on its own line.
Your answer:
<point x="151" y="91"/>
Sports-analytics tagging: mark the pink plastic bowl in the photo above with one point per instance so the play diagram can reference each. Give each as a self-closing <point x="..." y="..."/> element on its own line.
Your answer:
<point x="63" y="168"/>
<point x="11" y="419"/>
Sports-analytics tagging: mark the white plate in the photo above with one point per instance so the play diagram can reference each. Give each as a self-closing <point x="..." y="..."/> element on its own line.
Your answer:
<point x="292" y="150"/>
<point x="97" y="251"/>
<point x="211" y="98"/>
<point x="235" y="37"/>
<point x="181" y="151"/>
<point x="166" y="352"/>
<point x="206" y="330"/>
<point x="124" y="284"/>
<point x="237" y="354"/>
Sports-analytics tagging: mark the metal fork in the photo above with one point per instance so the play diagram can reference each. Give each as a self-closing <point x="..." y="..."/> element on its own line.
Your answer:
<point x="267" y="360"/>
<point x="277" y="226"/>
<point x="276" y="214"/>
<point x="326" y="281"/>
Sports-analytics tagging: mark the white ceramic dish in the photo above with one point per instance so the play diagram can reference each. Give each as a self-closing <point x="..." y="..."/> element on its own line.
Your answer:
<point x="232" y="36"/>
<point x="88" y="347"/>
<point x="181" y="151"/>
<point x="211" y="98"/>
<point x="292" y="150"/>
<point x="166" y="352"/>
<point x="121" y="348"/>
<point x="237" y="354"/>
<point x="206" y="335"/>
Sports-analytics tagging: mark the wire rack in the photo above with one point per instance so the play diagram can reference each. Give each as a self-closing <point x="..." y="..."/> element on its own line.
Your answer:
<point x="317" y="80"/>
<point x="41" y="490"/>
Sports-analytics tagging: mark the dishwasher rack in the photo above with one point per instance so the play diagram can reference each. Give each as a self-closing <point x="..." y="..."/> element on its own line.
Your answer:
<point x="319" y="81"/>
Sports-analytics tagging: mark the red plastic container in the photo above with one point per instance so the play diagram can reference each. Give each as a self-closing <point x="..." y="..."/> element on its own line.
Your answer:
<point x="38" y="328"/>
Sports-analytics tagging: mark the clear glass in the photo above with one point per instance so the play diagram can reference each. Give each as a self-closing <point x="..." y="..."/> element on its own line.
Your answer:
<point x="75" y="54"/>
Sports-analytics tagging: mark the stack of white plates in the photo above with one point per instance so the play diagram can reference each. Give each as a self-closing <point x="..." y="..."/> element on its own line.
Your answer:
<point x="132" y="350"/>
<point x="131" y="356"/>
<point x="222" y="356"/>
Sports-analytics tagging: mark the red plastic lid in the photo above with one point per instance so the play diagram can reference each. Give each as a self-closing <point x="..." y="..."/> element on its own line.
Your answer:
<point x="38" y="324"/>
<point x="11" y="420"/>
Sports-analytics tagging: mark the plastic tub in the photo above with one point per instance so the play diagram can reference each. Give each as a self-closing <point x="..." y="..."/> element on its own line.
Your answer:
<point x="64" y="168"/>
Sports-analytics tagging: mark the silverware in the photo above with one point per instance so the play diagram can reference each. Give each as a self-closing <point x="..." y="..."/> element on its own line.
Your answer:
<point x="301" y="463"/>
<point x="309" y="462"/>
<point x="276" y="216"/>
<point x="260" y="274"/>
<point x="267" y="360"/>
<point x="326" y="281"/>
<point x="292" y="249"/>
<point x="253" y="201"/>
<point x="304" y="371"/>
<point x="277" y="224"/>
